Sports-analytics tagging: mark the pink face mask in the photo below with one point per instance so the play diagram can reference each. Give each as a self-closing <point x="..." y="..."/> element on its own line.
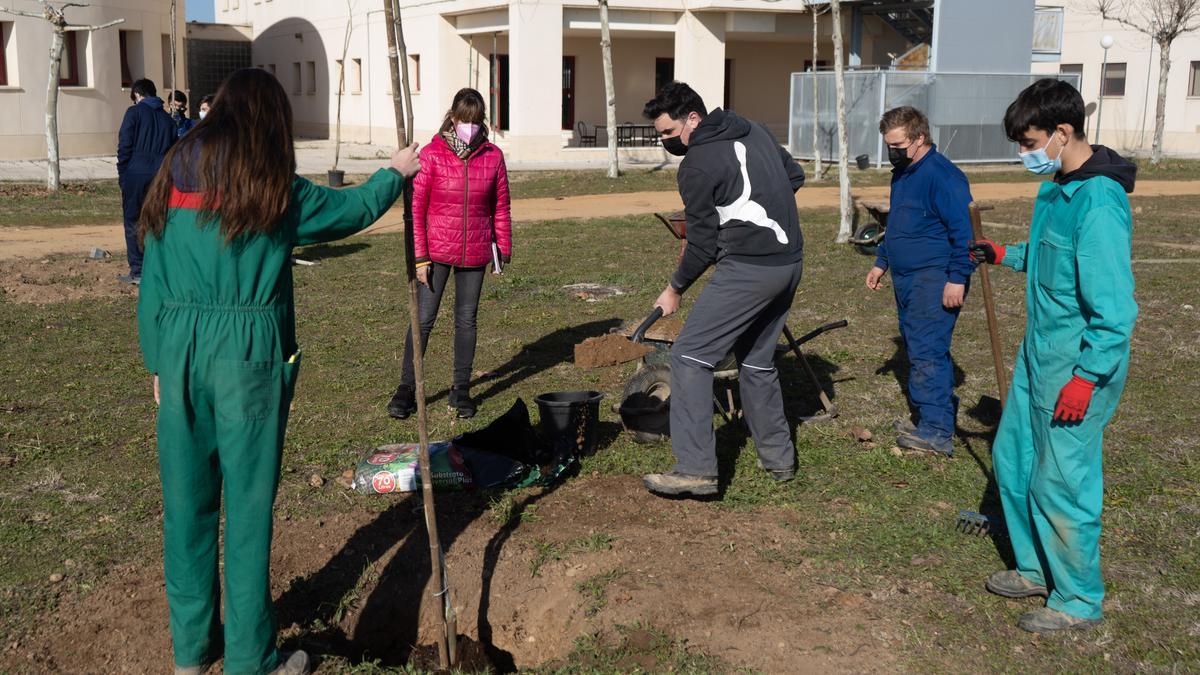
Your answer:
<point x="466" y="132"/>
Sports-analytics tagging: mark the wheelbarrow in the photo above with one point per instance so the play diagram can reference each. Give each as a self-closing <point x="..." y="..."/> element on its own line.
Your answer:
<point x="645" y="403"/>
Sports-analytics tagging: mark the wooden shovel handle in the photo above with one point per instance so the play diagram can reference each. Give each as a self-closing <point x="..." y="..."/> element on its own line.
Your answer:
<point x="989" y="304"/>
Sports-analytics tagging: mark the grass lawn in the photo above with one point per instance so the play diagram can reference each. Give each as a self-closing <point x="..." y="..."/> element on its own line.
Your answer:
<point x="80" y="477"/>
<point x="99" y="202"/>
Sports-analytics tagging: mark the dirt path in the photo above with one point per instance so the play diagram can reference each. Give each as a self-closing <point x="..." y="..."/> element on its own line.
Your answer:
<point x="352" y="588"/>
<point x="35" y="242"/>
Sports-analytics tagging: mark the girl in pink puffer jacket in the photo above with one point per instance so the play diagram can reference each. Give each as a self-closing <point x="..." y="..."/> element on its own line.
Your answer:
<point x="460" y="209"/>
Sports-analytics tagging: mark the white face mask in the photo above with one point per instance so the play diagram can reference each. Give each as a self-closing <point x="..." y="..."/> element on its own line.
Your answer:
<point x="203" y="113"/>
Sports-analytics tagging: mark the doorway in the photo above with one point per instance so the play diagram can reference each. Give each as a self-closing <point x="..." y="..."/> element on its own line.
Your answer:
<point x="498" y="65"/>
<point x="568" y="93"/>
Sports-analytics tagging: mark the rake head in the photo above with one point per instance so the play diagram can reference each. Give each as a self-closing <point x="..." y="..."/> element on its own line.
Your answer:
<point x="970" y="522"/>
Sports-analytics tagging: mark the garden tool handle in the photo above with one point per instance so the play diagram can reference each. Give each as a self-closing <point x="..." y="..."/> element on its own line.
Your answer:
<point x="989" y="305"/>
<point x="814" y="333"/>
<point x="640" y="333"/>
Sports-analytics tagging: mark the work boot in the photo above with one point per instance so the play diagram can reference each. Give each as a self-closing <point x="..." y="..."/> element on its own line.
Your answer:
<point x="674" y="483"/>
<point x="132" y="279"/>
<point x="292" y="663"/>
<point x="905" y="426"/>
<point x="914" y="442"/>
<point x="1011" y="584"/>
<point x="460" y="400"/>
<point x="193" y="670"/>
<point x="403" y="403"/>
<point x="1046" y="620"/>
<point x="778" y="475"/>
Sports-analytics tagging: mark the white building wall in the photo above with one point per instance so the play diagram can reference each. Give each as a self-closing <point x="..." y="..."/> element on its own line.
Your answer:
<point x="90" y="114"/>
<point x="1128" y="121"/>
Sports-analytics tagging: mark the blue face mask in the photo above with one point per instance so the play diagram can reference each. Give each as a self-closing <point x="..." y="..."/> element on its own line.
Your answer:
<point x="1039" y="162"/>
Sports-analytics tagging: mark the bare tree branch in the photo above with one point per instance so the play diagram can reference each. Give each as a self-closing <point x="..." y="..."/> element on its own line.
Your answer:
<point x="73" y="27"/>
<point x="21" y="12"/>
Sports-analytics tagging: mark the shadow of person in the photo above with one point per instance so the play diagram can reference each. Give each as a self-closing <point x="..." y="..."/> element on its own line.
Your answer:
<point x="802" y="397"/>
<point x="542" y="354"/>
<point x="987" y="413"/>
<point x="330" y="251"/>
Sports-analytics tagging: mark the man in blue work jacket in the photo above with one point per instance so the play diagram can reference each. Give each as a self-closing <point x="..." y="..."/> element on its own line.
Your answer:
<point x="1073" y="362"/>
<point x="929" y="228"/>
<point x="147" y="132"/>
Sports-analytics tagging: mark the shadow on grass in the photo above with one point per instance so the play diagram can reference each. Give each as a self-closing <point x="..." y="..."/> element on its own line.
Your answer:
<point x="535" y="357"/>
<point x="330" y="251"/>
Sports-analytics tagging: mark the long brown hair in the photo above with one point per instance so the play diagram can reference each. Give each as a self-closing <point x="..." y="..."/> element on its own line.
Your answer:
<point x="468" y="108"/>
<point x="240" y="156"/>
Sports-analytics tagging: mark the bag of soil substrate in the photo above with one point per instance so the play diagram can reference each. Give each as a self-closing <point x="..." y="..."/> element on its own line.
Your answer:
<point x="393" y="468"/>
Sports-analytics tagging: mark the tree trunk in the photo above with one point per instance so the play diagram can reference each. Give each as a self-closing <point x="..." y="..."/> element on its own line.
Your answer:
<point x="341" y="90"/>
<point x="174" y="70"/>
<point x="448" y="638"/>
<point x="389" y="22"/>
<point x="843" y="234"/>
<point x="816" y="105"/>
<point x="53" y="179"/>
<point x="1160" y="112"/>
<point x="610" y="96"/>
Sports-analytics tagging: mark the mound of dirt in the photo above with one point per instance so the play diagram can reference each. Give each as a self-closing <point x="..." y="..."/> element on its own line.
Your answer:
<point x="608" y="350"/>
<point x="62" y="279"/>
<point x="353" y="588"/>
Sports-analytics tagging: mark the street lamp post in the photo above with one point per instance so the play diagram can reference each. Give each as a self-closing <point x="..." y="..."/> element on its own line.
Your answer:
<point x="1106" y="43"/>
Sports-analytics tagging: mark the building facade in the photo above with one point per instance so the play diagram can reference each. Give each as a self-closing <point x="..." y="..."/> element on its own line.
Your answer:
<point x="1122" y="94"/>
<point x="539" y="61"/>
<point x="98" y="68"/>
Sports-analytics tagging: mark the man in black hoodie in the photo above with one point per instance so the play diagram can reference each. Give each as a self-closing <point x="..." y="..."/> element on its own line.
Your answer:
<point x="738" y="187"/>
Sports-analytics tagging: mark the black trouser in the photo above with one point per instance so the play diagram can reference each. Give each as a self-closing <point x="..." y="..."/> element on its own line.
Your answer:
<point x="468" y="282"/>
<point x="133" y="192"/>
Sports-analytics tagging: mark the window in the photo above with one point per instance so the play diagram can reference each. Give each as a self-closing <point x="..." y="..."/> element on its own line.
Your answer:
<point x="341" y="76"/>
<point x="1113" y="80"/>
<point x="1047" y="33"/>
<point x="355" y="76"/>
<point x="821" y="64"/>
<point x="1193" y="82"/>
<point x="414" y="72"/>
<point x="1073" y="68"/>
<point x="5" y="31"/>
<point x="297" y="81"/>
<point x="132" y="61"/>
<point x="168" y="78"/>
<point x="664" y="73"/>
<point x="68" y="68"/>
<point x="728" y="96"/>
<point x="311" y="67"/>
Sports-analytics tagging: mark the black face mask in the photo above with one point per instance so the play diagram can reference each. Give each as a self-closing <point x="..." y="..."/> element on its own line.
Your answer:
<point x="675" y="146"/>
<point x="899" y="158"/>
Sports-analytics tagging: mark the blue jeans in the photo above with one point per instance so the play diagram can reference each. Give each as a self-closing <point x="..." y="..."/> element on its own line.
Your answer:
<point x="926" y="327"/>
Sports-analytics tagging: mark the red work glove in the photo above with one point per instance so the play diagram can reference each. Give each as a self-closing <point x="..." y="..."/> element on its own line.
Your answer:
<point x="1073" y="400"/>
<point x="985" y="250"/>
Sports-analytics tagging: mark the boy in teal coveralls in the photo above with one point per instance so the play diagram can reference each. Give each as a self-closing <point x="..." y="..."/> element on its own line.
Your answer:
<point x="1072" y="363"/>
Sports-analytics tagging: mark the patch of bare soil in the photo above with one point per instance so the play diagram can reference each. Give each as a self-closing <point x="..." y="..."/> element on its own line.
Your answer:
<point x="666" y="330"/>
<point x="570" y="562"/>
<point x="608" y="350"/>
<point x="60" y="279"/>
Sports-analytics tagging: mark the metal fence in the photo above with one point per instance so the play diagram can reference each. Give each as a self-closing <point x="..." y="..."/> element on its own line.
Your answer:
<point x="965" y="110"/>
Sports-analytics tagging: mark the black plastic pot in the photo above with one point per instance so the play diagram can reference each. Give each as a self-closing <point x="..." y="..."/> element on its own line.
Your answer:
<point x="864" y="161"/>
<point x="336" y="177"/>
<point x="568" y="420"/>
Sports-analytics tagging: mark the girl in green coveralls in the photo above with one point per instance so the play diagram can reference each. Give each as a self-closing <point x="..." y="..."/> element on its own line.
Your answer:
<point x="216" y="321"/>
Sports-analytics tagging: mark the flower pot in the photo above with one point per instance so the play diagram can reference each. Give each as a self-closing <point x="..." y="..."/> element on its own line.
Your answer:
<point x="864" y="161"/>
<point x="336" y="177"/>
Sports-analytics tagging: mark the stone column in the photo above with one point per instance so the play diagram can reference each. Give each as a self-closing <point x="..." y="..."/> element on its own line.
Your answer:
<point x="700" y="55"/>
<point x="535" y="52"/>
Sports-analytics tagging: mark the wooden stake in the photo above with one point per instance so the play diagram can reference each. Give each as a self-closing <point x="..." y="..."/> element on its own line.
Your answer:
<point x="989" y="305"/>
<point x="398" y="63"/>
